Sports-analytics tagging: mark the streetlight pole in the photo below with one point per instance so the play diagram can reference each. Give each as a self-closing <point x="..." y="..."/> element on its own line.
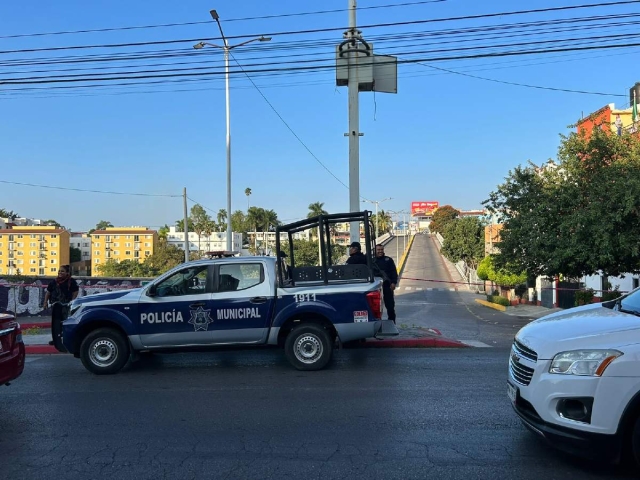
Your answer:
<point x="376" y="203"/>
<point x="227" y="51"/>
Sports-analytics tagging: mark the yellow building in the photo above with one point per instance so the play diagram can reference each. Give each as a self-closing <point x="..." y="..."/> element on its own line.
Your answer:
<point x="121" y="243"/>
<point x="33" y="251"/>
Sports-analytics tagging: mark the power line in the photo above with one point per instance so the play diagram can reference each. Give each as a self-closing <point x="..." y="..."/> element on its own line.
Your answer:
<point x="319" y="30"/>
<point x="265" y="17"/>
<point x="289" y="127"/>
<point x="522" y="84"/>
<point x="89" y="191"/>
<point x="311" y="68"/>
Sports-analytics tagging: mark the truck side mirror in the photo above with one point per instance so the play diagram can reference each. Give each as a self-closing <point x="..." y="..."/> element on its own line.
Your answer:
<point x="152" y="291"/>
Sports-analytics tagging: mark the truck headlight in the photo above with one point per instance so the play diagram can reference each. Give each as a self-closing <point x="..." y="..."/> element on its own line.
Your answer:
<point x="583" y="362"/>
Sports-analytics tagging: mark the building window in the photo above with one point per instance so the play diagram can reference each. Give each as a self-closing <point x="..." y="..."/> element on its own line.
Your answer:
<point x="147" y="253"/>
<point x="635" y="281"/>
<point x="20" y="244"/>
<point x="53" y="254"/>
<point x="19" y="236"/>
<point x="33" y="253"/>
<point x="41" y="271"/>
<point x="32" y="236"/>
<point x="33" y="261"/>
<point x="52" y="261"/>
<point x="128" y="237"/>
<point x="127" y="244"/>
<point x="147" y="244"/>
<point x="116" y="237"/>
<point x="19" y="261"/>
<point x="128" y="253"/>
<point x="33" y="244"/>
<point x="97" y="252"/>
<point x="0" y="261"/>
<point x="97" y="260"/>
<point x="116" y="244"/>
<point x="54" y="236"/>
<point x="32" y="270"/>
<point x="53" y="244"/>
<point x="53" y="269"/>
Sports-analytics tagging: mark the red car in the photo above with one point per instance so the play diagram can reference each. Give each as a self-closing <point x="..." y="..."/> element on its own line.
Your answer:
<point x="11" y="349"/>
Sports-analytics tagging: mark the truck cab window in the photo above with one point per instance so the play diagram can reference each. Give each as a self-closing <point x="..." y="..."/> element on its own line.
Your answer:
<point x="239" y="276"/>
<point x="189" y="281"/>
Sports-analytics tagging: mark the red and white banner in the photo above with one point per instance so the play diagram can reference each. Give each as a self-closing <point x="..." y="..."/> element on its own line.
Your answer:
<point x="422" y="209"/>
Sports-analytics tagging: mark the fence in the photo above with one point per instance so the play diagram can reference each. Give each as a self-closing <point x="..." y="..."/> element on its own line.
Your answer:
<point x="469" y="274"/>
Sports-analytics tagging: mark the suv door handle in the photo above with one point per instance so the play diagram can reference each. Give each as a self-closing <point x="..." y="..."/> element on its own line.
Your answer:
<point x="197" y="304"/>
<point x="258" y="300"/>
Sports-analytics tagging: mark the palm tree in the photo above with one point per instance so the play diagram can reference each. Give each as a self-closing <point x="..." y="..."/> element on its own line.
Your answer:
<point x="222" y="219"/>
<point x="384" y="222"/>
<point x="316" y="209"/>
<point x="247" y="192"/>
<point x="253" y="220"/>
<point x="208" y="230"/>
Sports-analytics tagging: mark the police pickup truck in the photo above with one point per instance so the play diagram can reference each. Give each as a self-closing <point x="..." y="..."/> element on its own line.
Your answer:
<point x="237" y="301"/>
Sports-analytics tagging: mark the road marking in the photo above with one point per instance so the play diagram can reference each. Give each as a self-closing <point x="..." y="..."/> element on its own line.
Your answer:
<point x="403" y="303"/>
<point x="452" y="289"/>
<point x="475" y="343"/>
<point x="419" y="288"/>
<point x="429" y="289"/>
<point x="407" y="288"/>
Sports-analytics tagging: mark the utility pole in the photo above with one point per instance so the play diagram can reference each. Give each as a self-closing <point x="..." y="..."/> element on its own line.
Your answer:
<point x="186" y="225"/>
<point x="354" y="121"/>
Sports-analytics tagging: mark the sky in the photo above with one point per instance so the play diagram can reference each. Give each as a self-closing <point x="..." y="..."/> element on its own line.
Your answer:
<point x="443" y="137"/>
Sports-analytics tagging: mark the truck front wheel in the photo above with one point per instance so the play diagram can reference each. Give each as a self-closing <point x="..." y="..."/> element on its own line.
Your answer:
<point x="104" y="351"/>
<point x="308" y="347"/>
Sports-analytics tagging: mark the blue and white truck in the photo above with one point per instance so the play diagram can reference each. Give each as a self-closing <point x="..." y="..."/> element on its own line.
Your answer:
<point x="239" y="301"/>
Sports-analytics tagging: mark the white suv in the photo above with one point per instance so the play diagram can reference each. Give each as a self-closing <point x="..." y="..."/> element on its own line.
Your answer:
<point x="574" y="378"/>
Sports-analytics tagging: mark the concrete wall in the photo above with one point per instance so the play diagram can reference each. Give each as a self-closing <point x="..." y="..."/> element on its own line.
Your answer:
<point x="25" y="299"/>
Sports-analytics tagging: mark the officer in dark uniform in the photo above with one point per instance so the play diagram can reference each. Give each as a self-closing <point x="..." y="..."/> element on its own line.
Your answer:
<point x="60" y="292"/>
<point x="389" y="273"/>
<point x="356" y="257"/>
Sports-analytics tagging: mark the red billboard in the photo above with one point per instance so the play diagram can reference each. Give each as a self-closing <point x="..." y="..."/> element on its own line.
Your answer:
<point x="423" y="209"/>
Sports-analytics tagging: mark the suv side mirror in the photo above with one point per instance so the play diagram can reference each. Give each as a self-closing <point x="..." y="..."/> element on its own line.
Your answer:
<point x="152" y="291"/>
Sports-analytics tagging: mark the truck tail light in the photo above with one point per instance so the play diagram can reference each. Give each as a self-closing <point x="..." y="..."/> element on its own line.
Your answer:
<point x="375" y="303"/>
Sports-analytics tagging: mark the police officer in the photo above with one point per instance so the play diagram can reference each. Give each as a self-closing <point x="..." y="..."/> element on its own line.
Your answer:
<point x="389" y="273"/>
<point x="356" y="257"/>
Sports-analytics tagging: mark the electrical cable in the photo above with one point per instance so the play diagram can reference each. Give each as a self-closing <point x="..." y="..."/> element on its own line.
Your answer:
<point x="89" y="191"/>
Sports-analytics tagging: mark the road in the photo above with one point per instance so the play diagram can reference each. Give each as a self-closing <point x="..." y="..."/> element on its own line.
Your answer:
<point x="374" y="414"/>
<point x="427" y="297"/>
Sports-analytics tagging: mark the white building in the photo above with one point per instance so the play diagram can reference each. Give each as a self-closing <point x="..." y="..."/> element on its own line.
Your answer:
<point x="217" y="241"/>
<point x="81" y="241"/>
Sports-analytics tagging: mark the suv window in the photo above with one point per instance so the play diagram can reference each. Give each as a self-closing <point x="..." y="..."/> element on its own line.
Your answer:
<point x="188" y="281"/>
<point x="239" y="276"/>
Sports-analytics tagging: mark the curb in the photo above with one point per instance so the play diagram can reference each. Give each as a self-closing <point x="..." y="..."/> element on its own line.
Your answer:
<point x="495" y="306"/>
<point x="415" y="343"/>
<point x="403" y="259"/>
<point x="41" y="350"/>
<point x="44" y="326"/>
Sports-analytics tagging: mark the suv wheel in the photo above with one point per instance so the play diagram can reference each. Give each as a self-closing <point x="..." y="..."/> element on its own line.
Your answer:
<point x="308" y="347"/>
<point x="104" y="351"/>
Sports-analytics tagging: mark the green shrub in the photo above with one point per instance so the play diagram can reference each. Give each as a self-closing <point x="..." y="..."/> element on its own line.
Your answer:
<point x="498" y="300"/>
<point x="584" y="297"/>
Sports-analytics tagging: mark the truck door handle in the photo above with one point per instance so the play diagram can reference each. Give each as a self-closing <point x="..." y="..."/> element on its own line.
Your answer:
<point x="258" y="300"/>
<point x="196" y="305"/>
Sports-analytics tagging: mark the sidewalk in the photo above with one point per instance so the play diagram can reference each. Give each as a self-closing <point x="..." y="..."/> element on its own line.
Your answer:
<point x="531" y="312"/>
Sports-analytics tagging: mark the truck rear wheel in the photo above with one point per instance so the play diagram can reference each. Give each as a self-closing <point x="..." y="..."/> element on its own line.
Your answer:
<point x="104" y="351"/>
<point x="308" y="347"/>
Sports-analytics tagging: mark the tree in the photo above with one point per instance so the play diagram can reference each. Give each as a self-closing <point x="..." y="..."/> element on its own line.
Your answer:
<point x="503" y="276"/>
<point x="383" y="221"/>
<point x="180" y="225"/>
<point x="316" y="209"/>
<point x="222" y="220"/>
<point x="306" y="252"/>
<point x="165" y="258"/>
<point x="238" y="221"/>
<point x="101" y="225"/>
<point x="441" y="217"/>
<point x="576" y="217"/>
<point x="200" y="219"/>
<point x="75" y="254"/>
<point x="464" y="240"/>
<point x="163" y="232"/>
<point x="209" y="227"/>
<point x="10" y="214"/>
<point x="247" y="192"/>
<point x="52" y="223"/>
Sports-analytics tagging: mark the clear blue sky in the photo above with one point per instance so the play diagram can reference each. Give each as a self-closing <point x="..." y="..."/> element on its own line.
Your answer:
<point x="443" y="137"/>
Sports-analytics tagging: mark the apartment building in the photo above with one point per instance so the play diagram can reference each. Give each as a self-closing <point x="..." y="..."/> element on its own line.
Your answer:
<point x="33" y="250"/>
<point x="121" y="243"/>
<point x="205" y="243"/>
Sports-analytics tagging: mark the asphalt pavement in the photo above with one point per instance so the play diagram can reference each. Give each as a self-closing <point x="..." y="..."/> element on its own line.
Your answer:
<point x="373" y="414"/>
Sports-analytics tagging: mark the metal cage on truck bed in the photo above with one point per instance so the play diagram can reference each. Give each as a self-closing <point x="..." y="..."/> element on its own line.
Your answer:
<point x="327" y="272"/>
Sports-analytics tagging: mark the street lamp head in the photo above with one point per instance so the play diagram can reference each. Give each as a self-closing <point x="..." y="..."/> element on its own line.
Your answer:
<point x="198" y="46"/>
<point x="264" y="39"/>
<point x="214" y="15"/>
